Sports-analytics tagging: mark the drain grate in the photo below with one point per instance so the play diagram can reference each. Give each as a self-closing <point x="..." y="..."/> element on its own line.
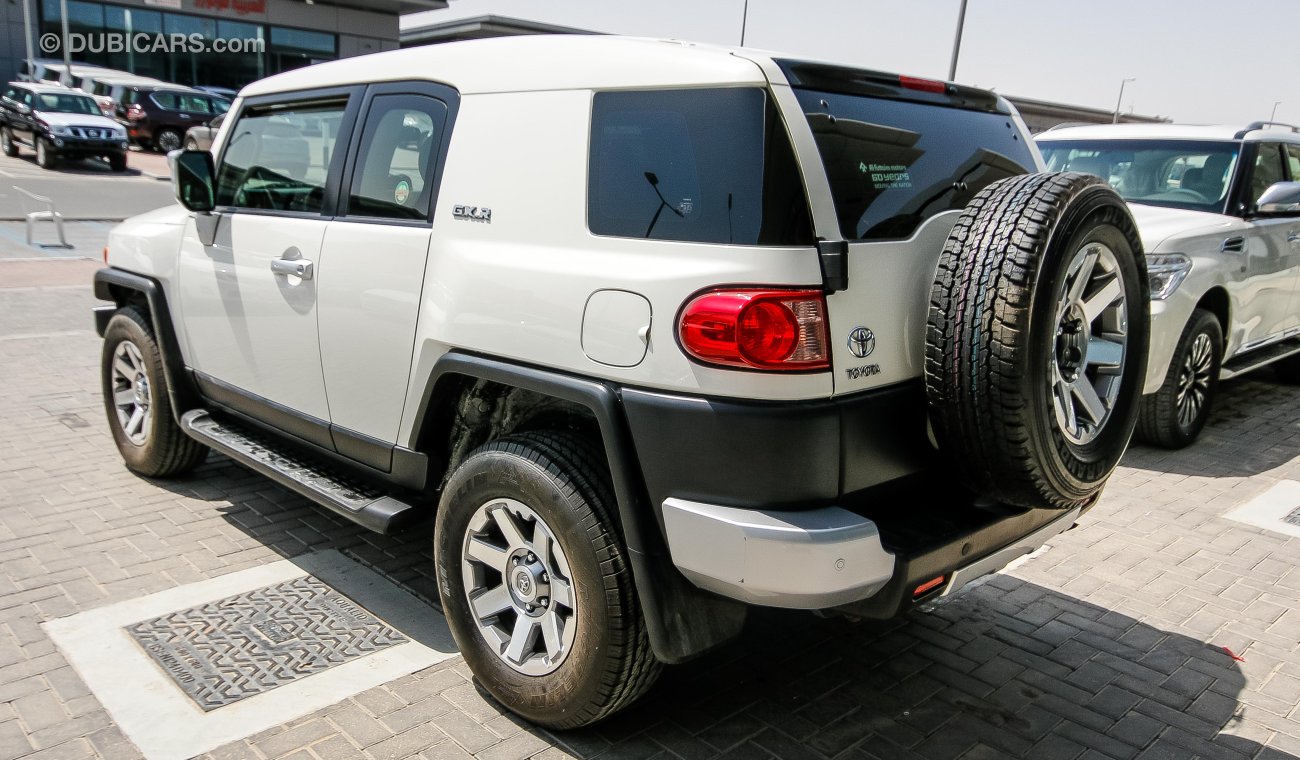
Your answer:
<point x="225" y="651"/>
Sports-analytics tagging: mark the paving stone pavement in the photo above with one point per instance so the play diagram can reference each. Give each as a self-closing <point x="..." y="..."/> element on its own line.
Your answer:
<point x="1110" y="644"/>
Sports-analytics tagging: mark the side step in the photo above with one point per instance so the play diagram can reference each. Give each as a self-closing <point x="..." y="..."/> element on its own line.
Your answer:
<point x="363" y="505"/>
<point x="1260" y="357"/>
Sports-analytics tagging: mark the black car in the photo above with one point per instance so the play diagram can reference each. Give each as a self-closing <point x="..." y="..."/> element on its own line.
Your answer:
<point x="158" y="117"/>
<point x="57" y="122"/>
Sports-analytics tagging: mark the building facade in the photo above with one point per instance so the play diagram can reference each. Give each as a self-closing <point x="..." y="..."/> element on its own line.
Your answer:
<point x="224" y="43"/>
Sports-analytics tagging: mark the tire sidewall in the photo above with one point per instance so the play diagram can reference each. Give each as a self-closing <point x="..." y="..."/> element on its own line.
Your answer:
<point x="123" y="328"/>
<point x="1097" y="215"/>
<point x="495" y="474"/>
<point x="1205" y="323"/>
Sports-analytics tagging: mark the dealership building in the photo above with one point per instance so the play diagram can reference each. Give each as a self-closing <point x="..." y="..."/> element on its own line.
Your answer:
<point x="228" y="43"/>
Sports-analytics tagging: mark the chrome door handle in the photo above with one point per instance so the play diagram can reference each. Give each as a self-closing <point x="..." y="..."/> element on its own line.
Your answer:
<point x="296" y="267"/>
<point x="1293" y="237"/>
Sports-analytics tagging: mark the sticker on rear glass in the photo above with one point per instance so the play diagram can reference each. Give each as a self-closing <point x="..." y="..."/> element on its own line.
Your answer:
<point x="887" y="176"/>
<point x="402" y="192"/>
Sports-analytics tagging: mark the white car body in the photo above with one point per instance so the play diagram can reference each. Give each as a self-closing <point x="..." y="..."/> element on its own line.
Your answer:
<point x="1257" y="285"/>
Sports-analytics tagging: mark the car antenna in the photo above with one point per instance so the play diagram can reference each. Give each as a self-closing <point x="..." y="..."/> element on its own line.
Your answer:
<point x="663" y="203"/>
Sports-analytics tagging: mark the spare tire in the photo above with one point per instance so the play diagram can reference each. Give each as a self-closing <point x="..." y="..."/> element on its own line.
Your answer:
<point x="1036" y="341"/>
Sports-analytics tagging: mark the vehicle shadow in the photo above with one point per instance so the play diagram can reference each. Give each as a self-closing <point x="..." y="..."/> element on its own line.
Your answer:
<point x="84" y="167"/>
<point x="1006" y="668"/>
<point x="1254" y="427"/>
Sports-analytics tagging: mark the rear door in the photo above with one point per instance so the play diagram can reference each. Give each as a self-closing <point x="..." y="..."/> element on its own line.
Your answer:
<point x="250" y="300"/>
<point x="901" y="166"/>
<point x="372" y="264"/>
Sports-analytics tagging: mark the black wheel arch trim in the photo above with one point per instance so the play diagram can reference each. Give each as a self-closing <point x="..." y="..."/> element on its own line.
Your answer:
<point x="112" y="284"/>
<point x="683" y="621"/>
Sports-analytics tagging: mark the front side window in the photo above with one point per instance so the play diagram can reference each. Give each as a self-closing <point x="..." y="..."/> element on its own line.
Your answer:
<point x="703" y="166"/>
<point x="277" y="158"/>
<point x="1188" y="174"/>
<point x="393" y="178"/>
<point x="1267" y="170"/>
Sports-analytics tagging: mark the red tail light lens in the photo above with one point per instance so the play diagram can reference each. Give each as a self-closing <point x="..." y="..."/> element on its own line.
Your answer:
<point x="757" y="329"/>
<point x="924" y="85"/>
<point x="134" y="112"/>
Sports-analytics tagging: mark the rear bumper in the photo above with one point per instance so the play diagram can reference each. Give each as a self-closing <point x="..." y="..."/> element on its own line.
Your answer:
<point x="831" y="557"/>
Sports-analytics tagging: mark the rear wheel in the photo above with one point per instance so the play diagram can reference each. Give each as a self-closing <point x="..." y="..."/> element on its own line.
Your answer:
<point x="535" y="581"/>
<point x="1037" y="338"/>
<point x="1173" y="416"/>
<point x="136" y="400"/>
<point x="7" y="144"/>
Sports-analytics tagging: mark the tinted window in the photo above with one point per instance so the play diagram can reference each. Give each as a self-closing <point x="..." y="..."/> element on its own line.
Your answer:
<point x="394" y="166"/>
<point x="279" y="158"/>
<point x="893" y="164"/>
<point x="193" y="103"/>
<point x="706" y="166"/>
<point x="1190" y="174"/>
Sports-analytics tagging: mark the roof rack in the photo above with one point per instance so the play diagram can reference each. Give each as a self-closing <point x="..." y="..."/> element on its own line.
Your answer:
<point x="1254" y="125"/>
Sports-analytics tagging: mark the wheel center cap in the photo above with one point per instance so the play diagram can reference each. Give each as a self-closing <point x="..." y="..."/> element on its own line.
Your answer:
<point x="1072" y="344"/>
<point x="142" y="390"/>
<point x="527" y="583"/>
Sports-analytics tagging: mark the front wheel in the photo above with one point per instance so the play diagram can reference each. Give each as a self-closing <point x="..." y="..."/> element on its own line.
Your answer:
<point x="135" y="398"/>
<point x="45" y="157"/>
<point x="117" y="162"/>
<point x="1173" y="416"/>
<point x="535" y="581"/>
<point x="7" y="144"/>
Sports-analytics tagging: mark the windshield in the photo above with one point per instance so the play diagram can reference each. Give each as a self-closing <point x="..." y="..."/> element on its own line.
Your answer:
<point x="51" y="103"/>
<point x="1188" y="174"/>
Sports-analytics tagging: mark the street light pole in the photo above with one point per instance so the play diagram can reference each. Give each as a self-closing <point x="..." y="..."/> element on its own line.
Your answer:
<point x="956" y="42"/>
<point x="28" y="25"/>
<point x="1274" y="114"/>
<point x="1120" y="99"/>
<point x="66" y="79"/>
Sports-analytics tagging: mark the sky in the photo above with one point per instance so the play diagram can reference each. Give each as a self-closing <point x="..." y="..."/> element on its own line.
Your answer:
<point x="1195" y="61"/>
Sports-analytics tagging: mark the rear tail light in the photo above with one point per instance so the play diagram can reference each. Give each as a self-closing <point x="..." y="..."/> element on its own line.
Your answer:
<point x="781" y="330"/>
<point x="134" y="112"/>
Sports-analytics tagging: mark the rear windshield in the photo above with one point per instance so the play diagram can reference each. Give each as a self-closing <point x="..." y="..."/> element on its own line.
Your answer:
<point x="1190" y="174"/>
<point x="893" y="164"/>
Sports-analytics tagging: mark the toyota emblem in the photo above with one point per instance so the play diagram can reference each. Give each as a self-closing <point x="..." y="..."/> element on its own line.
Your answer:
<point x="862" y="342"/>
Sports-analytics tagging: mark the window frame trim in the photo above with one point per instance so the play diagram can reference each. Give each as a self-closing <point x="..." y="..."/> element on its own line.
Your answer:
<point x="333" y="177"/>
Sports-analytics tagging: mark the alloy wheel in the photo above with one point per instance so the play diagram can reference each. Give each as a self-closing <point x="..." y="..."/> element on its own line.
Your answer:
<point x="132" y="396"/>
<point x="1091" y="343"/>
<point x="1194" y="380"/>
<point x="168" y="141"/>
<point x="519" y="587"/>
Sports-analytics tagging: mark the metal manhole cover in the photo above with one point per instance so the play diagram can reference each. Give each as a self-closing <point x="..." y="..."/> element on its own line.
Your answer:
<point x="225" y="651"/>
<point x="1293" y="518"/>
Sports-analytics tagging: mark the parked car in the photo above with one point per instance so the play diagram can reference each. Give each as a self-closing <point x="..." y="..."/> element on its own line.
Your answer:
<point x="1219" y="213"/>
<point x="58" y="123"/>
<point x="158" y="116"/>
<point x="704" y="335"/>
<point x="53" y="70"/>
<point x="200" y="137"/>
<point x="102" y="86"/>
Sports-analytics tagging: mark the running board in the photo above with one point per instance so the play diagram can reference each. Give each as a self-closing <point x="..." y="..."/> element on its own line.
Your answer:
<point x="1261" y="357"/>
<point x="368" y="507"/>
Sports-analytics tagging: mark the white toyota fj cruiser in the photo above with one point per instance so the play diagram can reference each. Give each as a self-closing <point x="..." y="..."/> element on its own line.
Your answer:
<point x="651" y="331"/>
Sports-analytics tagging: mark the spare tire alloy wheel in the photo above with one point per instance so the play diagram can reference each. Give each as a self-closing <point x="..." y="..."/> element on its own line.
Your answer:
<point x="519" y="588"/>
<point x="1036" y="339"/>
<point x="1091" y="342"/>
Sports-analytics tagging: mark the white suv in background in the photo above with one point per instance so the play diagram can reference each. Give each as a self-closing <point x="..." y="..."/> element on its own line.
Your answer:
<point x="1218" y="209"/>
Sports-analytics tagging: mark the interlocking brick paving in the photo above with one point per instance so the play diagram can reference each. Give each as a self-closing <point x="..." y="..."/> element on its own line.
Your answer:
<point x="1111" y="644"/>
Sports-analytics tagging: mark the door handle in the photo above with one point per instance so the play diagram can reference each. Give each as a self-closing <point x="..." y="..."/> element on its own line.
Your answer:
<point x="1293" y="237"/>
<point x="296" y="267"/>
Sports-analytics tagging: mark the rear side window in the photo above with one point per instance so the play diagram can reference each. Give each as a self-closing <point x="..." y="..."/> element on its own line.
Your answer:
<point x="702" y="166"/>
<point x="165" y="100"/>
<point x="893" y="164"/>
<point x="393" y="178"/>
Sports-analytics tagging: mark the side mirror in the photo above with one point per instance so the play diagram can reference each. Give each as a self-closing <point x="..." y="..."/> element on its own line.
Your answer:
<point x="1280" y="199"/>
<point x="192" y="179"/>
